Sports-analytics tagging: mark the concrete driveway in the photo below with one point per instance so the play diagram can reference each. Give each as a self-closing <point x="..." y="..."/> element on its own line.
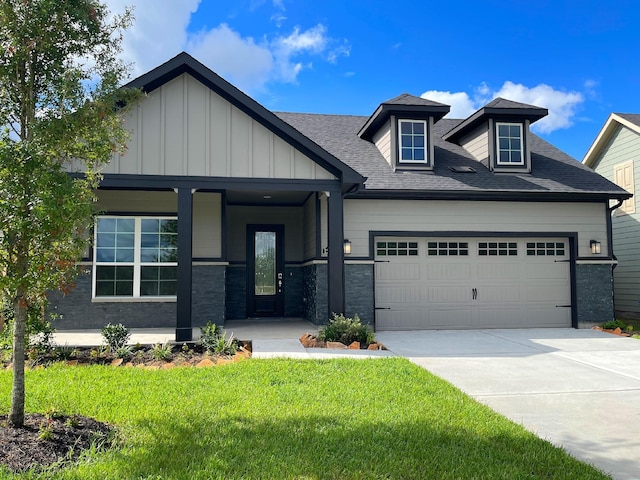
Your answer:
<point x="579" y="389"/>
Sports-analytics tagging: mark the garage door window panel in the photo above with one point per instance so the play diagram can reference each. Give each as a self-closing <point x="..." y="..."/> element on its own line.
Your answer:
<point x="447" y="249"/>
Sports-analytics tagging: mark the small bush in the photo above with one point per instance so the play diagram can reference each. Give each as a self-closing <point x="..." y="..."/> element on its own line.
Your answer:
<point x="214" y="340"/>
<point x="346" y="330"/>
<point x="115" y="336"/>
<point x="161" y="352"/>
<point x="613" y="324"/>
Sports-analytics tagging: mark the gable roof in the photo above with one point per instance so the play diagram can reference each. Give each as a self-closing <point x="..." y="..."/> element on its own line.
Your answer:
<point x="497" y="108"/>
<point x="185" y="63"/>
<point x="554" y="175"/>
<point x="629" y="120"/>
<point x="404" y="105"/>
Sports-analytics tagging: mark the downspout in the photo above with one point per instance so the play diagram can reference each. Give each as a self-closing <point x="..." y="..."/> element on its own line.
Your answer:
<point x="610" y="229"/>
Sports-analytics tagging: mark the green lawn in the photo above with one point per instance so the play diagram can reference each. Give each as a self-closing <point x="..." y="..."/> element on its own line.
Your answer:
<point x="383" y="418"/>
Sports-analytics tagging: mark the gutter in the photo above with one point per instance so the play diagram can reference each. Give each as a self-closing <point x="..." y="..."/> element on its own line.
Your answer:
<point x="610" y="229"/>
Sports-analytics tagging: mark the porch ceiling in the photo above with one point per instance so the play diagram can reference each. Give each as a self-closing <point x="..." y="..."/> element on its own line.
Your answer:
<point x="266" y="197"/>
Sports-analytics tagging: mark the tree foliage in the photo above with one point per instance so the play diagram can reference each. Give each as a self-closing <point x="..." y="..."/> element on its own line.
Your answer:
<point x="60" y="100"/>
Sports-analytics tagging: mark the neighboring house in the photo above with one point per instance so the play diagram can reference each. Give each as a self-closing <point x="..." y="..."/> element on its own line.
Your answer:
<point x="222" y="209"/>
<point x="615" y="154"/>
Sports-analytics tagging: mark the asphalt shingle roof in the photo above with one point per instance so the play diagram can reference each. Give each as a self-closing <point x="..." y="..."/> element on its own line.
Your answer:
<point x="632" y="117"/>
<point x="553" y="171"/>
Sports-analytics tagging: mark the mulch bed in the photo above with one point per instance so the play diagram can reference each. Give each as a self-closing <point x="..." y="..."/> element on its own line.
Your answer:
<point x="45" y="441"/>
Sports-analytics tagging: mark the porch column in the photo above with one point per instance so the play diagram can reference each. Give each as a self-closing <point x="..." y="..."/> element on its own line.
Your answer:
<point x="185" y="224"/>
<point x="335" y="274"/>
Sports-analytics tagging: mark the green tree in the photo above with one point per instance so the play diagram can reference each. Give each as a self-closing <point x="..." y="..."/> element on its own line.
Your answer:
<point x="59" y="112"/>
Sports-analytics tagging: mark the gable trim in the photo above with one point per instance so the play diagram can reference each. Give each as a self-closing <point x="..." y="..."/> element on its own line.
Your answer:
<point x="603" y="136"/>
<point x="185" y="63"/>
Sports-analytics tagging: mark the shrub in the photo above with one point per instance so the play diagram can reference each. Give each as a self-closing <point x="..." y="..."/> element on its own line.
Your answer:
<point x="214" y="340"/>
<point x="613" y="324"/>
<point x="161" y="352"/>
<point x="115" y="336"/>
<point x="346" y="330"/>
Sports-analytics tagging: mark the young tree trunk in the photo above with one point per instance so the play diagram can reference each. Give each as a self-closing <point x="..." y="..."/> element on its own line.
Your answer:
<point x="16" y="416"/>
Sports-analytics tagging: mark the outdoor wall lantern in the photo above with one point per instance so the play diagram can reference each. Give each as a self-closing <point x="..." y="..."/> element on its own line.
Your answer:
<point x="347" y="246"/>
<point x="595" y="246"/>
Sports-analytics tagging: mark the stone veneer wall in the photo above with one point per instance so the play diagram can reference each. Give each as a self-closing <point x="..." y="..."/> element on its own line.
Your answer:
<point x="208" y="294"/>
<point x="77" y="311"/>
<point x="594" y="294"/>
<point x="358" y="292"/>
<point x="315" y="293"/>
<point x="236" y="287"/>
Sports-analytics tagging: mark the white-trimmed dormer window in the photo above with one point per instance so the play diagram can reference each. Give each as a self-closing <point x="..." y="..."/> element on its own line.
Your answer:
<point x="509" y="144"/>
<point x="412" y="145"/>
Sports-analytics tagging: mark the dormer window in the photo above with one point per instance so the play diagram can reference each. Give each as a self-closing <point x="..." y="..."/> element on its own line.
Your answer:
<point x="509" y="144"/>
<point x="412" y="141"/>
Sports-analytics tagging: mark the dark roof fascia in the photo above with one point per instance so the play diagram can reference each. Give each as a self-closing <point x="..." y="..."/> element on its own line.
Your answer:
<point x="487" y="195"/>
<point x="385" y="110"/>
<point x="185" y="63"/>
<point x="468" y="124"/>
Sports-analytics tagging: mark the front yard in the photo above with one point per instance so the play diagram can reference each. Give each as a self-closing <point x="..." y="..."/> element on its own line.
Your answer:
<point x="280" y="419"/>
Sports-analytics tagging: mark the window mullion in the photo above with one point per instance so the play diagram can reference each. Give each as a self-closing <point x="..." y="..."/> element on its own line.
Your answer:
<point x="137" y="247"/>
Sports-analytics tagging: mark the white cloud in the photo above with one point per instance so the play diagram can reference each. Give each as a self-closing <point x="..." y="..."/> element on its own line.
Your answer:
<point x="461" y="105"/>
<point x="562" y="105"/>
<point x="242" y="61"/>
<point x="160" y="31"/>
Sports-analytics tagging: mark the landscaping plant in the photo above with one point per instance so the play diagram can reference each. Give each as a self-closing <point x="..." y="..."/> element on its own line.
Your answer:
<point x="346" y="330"/>
<point x="214" y="340"/>
<point x="115" y="336"/>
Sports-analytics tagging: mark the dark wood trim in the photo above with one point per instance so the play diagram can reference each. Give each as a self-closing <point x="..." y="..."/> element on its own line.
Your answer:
<point x="573" y="253"/>
<point x="484" y="196"/>
<point x="318" y="219"/>
<point x="185" y="247"/>
<point x="168" y="182"/>
<point x="335" y="274"/>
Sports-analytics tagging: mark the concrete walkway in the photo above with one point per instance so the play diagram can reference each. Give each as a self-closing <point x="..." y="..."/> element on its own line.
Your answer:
<point x="579" y="389"/>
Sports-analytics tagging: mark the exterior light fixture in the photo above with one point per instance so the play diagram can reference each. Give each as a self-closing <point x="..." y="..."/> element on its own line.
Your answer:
<point x="595" y="247"/>
<point x="347" y="246"/>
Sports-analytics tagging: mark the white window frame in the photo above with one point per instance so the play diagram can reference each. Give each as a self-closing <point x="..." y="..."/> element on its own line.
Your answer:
<point x="425" y="147"/>
<point x="522" y="158"/>
<point x="137" y="263"/>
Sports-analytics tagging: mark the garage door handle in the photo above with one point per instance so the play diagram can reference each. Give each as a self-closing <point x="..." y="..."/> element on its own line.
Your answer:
<point x="383" y="308"/>
<point x="474" y="293"/>
<point x="563" y="306"/>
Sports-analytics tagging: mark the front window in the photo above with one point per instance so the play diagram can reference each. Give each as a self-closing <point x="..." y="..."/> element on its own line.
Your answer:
<point x="510" y="151"/>
<point x="135" y="257"/>
<point x="412" y="141"/>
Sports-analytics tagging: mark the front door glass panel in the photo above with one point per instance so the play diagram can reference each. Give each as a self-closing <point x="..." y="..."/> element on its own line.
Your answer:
<point x="265" y="263"/>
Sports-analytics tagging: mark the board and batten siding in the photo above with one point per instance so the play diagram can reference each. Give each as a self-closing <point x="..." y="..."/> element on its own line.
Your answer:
<point x="207" y="216"/>
<point x="477" y="143"/>
<point x="184" y="128"/>
<point x="363" y="216"/>
<point x="382" y="140"/>
<point x="624" y="146"/>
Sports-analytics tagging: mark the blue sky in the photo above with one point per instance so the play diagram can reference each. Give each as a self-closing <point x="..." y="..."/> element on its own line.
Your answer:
<point x="579" y="59"/>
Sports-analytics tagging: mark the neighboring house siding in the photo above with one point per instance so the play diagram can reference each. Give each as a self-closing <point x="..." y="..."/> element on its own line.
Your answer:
<point x="363" y="216"/>
<point x="477" y="143"/>
<point x="382" y="140"/>
<point x="183" y="128"/>
<point x="624" y="146"/>
<point x="207" y="241"/>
